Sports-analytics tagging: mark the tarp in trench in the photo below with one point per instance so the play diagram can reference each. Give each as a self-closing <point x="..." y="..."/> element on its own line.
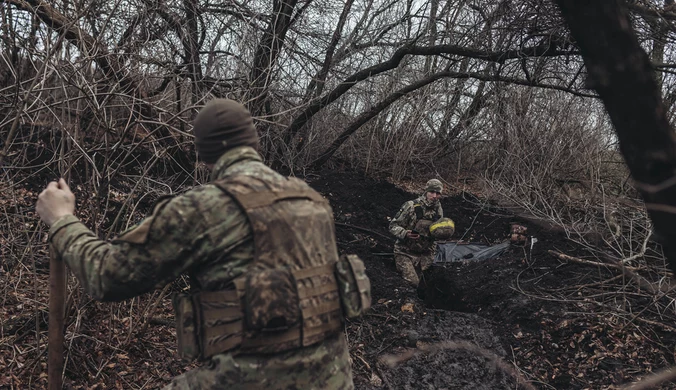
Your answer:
<point x="453" y="251"/>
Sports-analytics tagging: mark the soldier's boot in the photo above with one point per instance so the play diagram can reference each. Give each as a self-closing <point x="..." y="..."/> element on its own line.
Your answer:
<point x="406" y="269"/>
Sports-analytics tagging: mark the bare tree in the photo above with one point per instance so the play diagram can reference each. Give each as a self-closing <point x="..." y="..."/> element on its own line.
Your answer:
<point x="622" y="74"/>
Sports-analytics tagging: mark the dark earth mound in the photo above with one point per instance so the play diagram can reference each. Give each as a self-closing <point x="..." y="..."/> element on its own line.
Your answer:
<point x="506" y="307"/>
<point x="401" y="319"/>
<point x="523" y="319"/>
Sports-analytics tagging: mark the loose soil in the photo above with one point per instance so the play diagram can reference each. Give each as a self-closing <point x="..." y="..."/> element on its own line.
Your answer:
<point x="510" y="309"/>
<point x="519" y="320"/>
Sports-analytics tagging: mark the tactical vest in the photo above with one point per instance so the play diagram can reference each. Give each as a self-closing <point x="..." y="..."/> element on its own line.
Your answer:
<point x="425" y="243"/>
<point x="420" y="213"/>
<point x="296" y="290"/>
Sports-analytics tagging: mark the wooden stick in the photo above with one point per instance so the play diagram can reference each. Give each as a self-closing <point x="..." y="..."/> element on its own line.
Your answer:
<point x="577" y="260"/>
<point x="57" y="294"/>
<point x="627" y="271"/>
<point x="347" y="225"/>
<point x="654" y="380"/>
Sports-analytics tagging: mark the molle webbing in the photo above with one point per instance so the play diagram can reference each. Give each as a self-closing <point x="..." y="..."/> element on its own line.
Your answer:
<point x="319" y="302"/>
<point x="288" y="298"/>
<point x="223" y="323"/>
<point x="420" y="213"/>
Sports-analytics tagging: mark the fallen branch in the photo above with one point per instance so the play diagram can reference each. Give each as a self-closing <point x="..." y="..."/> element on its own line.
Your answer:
<point x="627" y="271"/>
<point x="578" y="260"/>
<point x="363" y="230"/>
<point x="161" y="321"/>
<point x="653" y="381"/>
<point x="664" y="327"/>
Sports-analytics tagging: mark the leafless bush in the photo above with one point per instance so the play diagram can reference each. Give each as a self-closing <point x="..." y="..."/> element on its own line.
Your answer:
<point x="104" y="93"/>
<point x="563" y="169"/>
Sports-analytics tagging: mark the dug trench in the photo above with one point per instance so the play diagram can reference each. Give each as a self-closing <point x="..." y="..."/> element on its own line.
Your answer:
<point x="491" y="324"/>
<point x="523" y="319"/>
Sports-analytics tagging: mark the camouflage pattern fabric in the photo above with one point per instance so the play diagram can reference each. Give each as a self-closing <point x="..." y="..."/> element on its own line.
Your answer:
<point x="203" y="233"/>
<point x="408" y="260"/>
<point x="321" y="366"/>
<point x="406" y="218"/>
<point x="411" y="265"/>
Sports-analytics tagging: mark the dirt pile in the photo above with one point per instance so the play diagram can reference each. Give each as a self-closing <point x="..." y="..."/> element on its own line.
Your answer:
<point x="470" y="325"/>
<point x="525" y="308"/>
<point x="401" y="321"/>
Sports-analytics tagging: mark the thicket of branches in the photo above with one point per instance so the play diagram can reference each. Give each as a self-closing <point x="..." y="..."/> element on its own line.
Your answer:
<point x="395" y="88"/>
<point x="104" y="92"/>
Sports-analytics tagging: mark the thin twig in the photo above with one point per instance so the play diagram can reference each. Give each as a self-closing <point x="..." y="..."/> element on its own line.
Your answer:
<point x="363" y="229"/>
<point x="653" y="381"/>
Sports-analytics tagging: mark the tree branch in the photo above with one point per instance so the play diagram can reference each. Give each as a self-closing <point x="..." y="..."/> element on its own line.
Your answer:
<point x="393" y="62"/>
<point x="375" y="110"/>
<point x="621" y="72"/>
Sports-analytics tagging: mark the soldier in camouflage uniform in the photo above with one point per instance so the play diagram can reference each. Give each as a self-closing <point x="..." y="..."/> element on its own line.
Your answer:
<point x="414" y="249"/>
<point x="206" y="234"/>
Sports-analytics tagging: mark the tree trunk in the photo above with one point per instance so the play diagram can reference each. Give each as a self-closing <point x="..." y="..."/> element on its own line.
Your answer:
<point x="267" y="52"/>
<point x="368" y="115"/>
<point x="622" y="74"/>
<point x="316" y="87"/>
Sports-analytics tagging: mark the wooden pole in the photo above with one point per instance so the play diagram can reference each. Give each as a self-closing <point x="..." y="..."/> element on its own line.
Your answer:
<point x="57" y="300"/>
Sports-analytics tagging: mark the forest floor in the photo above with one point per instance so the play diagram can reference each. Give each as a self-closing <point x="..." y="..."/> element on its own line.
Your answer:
<point x="527" y="308"/>
<point x="523" y="320"/>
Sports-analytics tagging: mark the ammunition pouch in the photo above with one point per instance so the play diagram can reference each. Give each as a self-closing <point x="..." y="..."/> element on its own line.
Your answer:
<point x="353" y="285"/>
<point x="272" y="311"/>
<point x="207" y="321"/>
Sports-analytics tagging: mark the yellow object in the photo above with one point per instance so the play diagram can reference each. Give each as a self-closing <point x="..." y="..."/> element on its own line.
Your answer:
<point x="443" y="223"/>
<point x="407" y="307"/>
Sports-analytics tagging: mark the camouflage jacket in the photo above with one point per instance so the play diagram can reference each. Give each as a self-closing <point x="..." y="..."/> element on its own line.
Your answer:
<point x="406" y="217"/>
<point x="204" y="233"/>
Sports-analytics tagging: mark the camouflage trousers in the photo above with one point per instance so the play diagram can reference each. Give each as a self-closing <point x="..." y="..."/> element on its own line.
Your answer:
<point x="411" y="265"/>
<point x="321" y="366"/>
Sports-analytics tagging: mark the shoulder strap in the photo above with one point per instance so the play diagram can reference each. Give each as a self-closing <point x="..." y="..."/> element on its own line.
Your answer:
<point x="419" y="212"/>
<point x="263" y="197"/>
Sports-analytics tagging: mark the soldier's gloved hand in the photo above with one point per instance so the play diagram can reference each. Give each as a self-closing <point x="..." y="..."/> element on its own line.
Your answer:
<point x="55" y="201"/>
<point x="411" y="235"/>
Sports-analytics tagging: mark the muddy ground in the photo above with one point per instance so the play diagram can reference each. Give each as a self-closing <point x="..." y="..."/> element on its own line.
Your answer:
<point x="524" y="319"/>
<point x="526" y="308"/>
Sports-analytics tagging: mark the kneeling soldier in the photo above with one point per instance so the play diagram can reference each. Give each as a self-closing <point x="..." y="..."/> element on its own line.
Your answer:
<point x="417" y="224"/>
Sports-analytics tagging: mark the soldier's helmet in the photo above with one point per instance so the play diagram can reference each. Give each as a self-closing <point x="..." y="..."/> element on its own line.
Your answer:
<point x="434" y="185"/>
